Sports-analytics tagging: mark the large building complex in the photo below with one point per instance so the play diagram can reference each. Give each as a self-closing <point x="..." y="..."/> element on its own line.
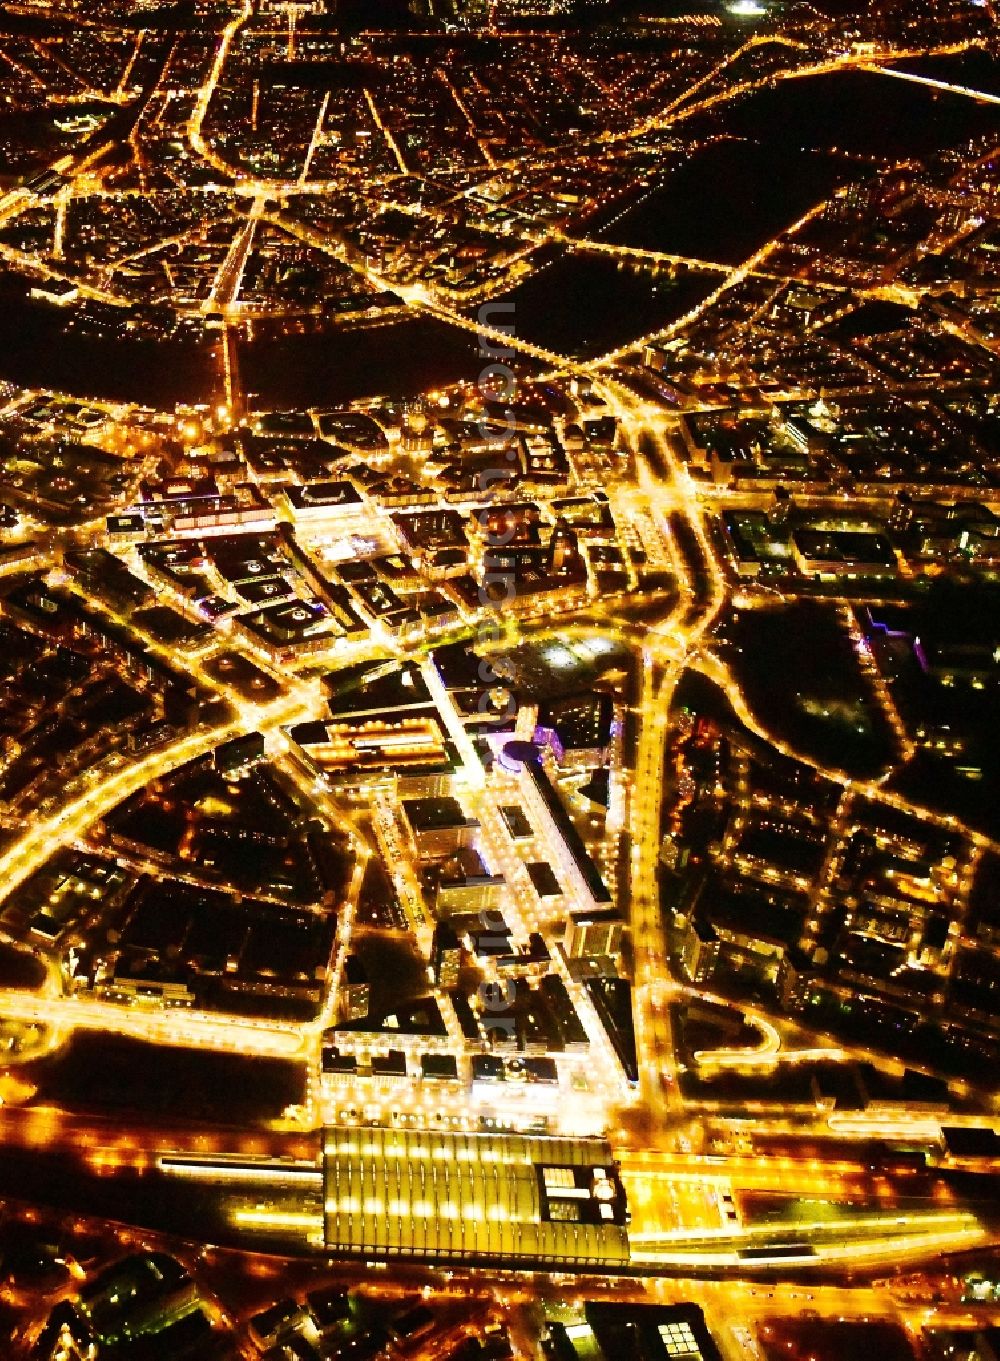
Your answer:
<point x="474" y="1199"/>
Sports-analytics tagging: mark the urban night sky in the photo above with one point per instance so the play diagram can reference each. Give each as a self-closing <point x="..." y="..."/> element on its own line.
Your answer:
<point x="500" y="656"/>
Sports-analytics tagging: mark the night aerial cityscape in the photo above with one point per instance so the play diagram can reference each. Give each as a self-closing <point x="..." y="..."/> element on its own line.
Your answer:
<point x="500" y="656"/>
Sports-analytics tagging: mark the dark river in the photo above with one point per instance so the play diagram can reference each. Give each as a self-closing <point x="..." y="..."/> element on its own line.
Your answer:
<point x="755" y="167"/>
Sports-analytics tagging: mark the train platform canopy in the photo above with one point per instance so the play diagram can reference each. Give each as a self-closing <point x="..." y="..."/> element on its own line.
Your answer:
<point x="473" y="1198"/>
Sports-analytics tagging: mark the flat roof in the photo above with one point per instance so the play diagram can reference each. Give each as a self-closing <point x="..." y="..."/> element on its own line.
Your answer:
<point x="473" y="1197"/>
<point x="527" y="754"/>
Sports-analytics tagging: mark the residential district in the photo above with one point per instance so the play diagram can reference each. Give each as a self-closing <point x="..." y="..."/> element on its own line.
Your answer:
<point x="500" y="640"/>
